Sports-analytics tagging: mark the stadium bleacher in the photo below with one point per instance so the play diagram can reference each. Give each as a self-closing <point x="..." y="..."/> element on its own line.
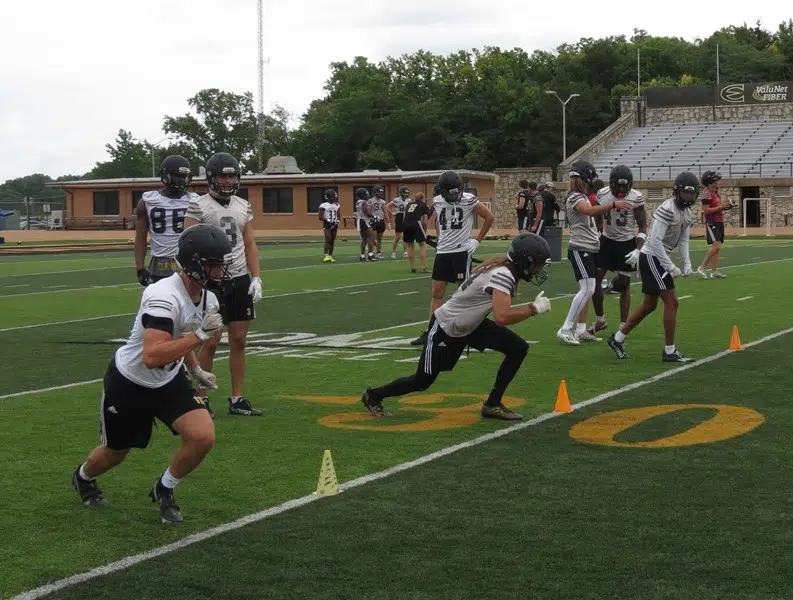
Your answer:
<point x="736" y="149"/>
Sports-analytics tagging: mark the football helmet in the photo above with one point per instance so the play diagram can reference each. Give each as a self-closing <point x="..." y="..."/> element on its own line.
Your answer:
<point x="585" y="170"/>
<point x="201" y="249"/>
<point x="175" y="174"/>
<point x="404" y="192"/>
<point x="686" y="189"/>
<point x="378" y="191"/>
<point x="620" y="181"/>
<point x="331" y="195"/>
<point x="450" y="186"/>
<point x="223" y="163"/>
<point x="709" y="177"/>
<point x="362" y="194"/>
<point x="526" y="253"/>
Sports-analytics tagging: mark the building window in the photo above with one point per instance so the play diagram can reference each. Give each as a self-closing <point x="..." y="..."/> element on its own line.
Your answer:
<point x="656" y="195"/>
<point x="316" y="196"/>
<point x="277" y="200"/>
<point x="137" y="195"/>
<point x="782" y="191"/>
<point x="242" y="193"/>
<point x="105" y="203"/>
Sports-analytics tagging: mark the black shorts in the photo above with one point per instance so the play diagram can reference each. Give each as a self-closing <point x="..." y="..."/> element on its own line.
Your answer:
<point x="128" y="410"/>
<point x="441" y="351"/>
<point x="414" y="233"/>
<point x="379" y="226"/>
<point x="237" y="304"/>
<point x="454" y="267"/>
<point x="330" y="226"/>
<point x="714" y="232"/>
<point x="523" y="220"/>
<point x="583" y="262"/>
<point x="611" y="256"/>
<point x="655" y="278"/>
<point x="399" y="222"/>
<point x="161" y="267"/>
<point x="363" y="228"/>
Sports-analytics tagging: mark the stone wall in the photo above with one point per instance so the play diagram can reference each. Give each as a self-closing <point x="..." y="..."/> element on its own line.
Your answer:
<point x="595" y="147"/>
<point x="507" y="187"/>
<point x="709" y="114"/>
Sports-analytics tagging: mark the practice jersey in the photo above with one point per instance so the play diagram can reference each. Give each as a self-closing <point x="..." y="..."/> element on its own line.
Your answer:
<point x="359" y="212"/>
<point x="469" y="305"/>
<point x="414" y="211"/>
<point x="711" y="200"/>
<point x="584" y="233"/>
<point x="166" y="221"/>
<point x="231" y="218"/>
<point x="455" y="221"/>
<point x="398" y="205"/>
<point x="378" y="208"/>
<point x="167" y="299"/>
<point x="670" y="229"/>
<point x="331" y="212"/>
<point x="620" y="225"/>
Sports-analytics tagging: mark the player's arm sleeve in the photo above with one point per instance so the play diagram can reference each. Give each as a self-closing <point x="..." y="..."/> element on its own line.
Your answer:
<point x="499" y="280"/>
<point x="159" y="312"/>
<point x="194" y="210"/>
<point x="683" y="245"/>
<point x="661" y="220"/>
<point x="248" y="213"/>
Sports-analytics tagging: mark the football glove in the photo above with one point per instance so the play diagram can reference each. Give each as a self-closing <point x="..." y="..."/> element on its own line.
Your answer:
<point x="255" y="289"/>
<point x="473" y="245"/>
<point x="541" y="303"/>
<point x="205" y="379"/>
<point x="144" y="277"/>
<point x="211" y="322"/>
<point x="687" y="270"/>
<point x="675" y="272"/>
<point x="632" y="257"/>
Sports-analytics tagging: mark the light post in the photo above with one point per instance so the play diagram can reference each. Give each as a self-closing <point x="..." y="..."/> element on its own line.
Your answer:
<point x="564" y="120"/>
<point x="151" y="148"/>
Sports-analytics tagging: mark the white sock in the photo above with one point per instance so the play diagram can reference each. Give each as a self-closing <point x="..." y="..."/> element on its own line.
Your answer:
<point x="601" y="319"/>
<point x="568" y="326"/>
<point x="622" y="324"/>
<point x="363" y="255"/>
<point x="619" y="337"/>
<point x="169" y="480"/>
<point x="669" y="349"/>
<point x="235" y="399"/>
<point x="580" y="327"/>
<point x="82" y="474"/>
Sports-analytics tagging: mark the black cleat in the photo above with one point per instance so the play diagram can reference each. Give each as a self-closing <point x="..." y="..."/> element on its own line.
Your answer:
<point x="169" y="510"/>
<point x="205" y="400"/>
<point x="421" y="340"/>
<point x="374" y="406"/>
<point x="499" y="411"/>
<point x="243" y="407"/>
<point x="90" y="492"/>
<point x="675" y="356"/>
<point x="618" y="347"/>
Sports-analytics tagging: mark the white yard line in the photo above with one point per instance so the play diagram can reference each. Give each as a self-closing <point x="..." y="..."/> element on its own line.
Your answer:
<point x="744" y="298"/>
<point x="190" y="540"/>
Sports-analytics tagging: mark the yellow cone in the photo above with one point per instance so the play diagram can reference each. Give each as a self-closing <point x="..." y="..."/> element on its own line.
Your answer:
<point x="328" y="485"/>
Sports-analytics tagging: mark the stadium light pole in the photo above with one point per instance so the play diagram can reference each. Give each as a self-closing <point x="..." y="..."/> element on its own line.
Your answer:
<point x="564" y="119"/>
<point x="151" y="148"/>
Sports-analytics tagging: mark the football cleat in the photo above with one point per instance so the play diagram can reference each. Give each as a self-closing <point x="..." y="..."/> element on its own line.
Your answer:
<point x="598" y="326"/>
<point x="374" y="406"/>
<point x="585" y="336"/>
<point x="499" y="411"/>
<point x="717" y="275"/>
<point x="90" y="492"/>
<point x="169" y="510"/>
<point x="702" y="273"/>
<point x="421" y="340"/>
<point x="243" y="407"/>
<point x="568" y="337"/>
<point x="618" y="347"/>
<point x="675" y="356"/>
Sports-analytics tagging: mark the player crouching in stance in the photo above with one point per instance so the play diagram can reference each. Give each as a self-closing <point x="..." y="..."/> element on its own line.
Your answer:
<point x="462" y="321"/>
<point x="146" y="378"/>
<point x="670" y="230"/>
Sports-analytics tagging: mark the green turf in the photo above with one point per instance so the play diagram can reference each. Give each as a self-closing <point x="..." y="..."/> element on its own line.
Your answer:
<point x="531" y="515"/>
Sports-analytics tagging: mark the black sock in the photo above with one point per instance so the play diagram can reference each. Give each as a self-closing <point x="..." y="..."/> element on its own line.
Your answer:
<point x="506" y="373"/>
<point x="403" y="386"/>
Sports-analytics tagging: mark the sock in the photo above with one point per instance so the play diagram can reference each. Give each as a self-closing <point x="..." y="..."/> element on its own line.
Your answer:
<point x="363" y="255"/>
<point x="82" y="474"/>
<point x="168" y="480"/>
<point x="580" y="327"/>
<point x="601" y="319"/>
<point x="568" y="326"/>
<point x="669" y="349"/>
<point x="619" y="337"/>
<point x="235" y="399"/>
<point x="622" y="324"/>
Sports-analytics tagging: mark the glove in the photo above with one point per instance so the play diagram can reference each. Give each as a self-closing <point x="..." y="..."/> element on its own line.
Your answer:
<point x="632" y="257"/>
<point x="675" y="272"/>
<point x="144" y="277"/>
<point x="687" y="270"/>
<point x="255" y="289"/>
<point x="541" y="303"/>
<point x="205" y="379"/>
<point x="473" y="245"/>
<point x="211" y="322"/>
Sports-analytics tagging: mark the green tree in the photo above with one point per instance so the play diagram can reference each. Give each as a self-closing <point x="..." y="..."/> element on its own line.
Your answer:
<point x="128" y="158"/>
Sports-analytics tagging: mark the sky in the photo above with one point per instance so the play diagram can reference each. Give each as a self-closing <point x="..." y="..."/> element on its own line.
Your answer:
<point x="73" y="73"/>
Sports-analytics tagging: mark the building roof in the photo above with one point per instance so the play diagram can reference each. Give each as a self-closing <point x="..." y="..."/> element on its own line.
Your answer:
<point x="372" y="176"/>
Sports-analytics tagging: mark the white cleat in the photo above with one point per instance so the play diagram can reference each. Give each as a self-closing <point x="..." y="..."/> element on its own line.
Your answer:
<point x="568" y="337"/>
<point x="717" y="275"/>
<point x="701" y="272"/>
<point x="585" y="336"/>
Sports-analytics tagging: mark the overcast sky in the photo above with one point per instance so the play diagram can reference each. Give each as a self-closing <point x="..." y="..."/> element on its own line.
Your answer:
<point x="74" y="72"/>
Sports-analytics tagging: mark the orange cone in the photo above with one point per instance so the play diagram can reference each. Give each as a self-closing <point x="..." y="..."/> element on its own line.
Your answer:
<point x="562" y="400"/>
<point x="735" y="340"/>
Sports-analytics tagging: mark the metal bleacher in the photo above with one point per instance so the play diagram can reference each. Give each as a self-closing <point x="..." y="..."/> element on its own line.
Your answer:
<point x="736" y="149"/>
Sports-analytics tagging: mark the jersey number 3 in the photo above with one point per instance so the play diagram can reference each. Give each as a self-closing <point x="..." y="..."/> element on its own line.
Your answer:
<point x="456" y="218"/>
<point x="158" y="217"/>
<point x="229" y="226"/>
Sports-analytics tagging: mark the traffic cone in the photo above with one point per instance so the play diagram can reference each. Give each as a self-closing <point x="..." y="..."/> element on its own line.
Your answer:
<point x="735" y="340"/>
<point x="327" y="485"/>
<point x="562" y="400"/>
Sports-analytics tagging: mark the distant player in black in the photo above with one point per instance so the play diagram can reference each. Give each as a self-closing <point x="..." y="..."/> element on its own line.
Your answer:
<point x="415" y="230"/>
<point x="523" y="204"/>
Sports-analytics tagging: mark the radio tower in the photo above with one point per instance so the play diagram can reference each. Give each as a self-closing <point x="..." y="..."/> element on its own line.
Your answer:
<point x="260" y="135"/>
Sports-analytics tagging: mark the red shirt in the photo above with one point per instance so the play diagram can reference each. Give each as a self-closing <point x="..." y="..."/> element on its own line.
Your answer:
<point x="711" y="200"/>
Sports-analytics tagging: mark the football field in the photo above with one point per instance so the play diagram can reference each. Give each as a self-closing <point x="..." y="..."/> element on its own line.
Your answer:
<point x="666" y="482"/>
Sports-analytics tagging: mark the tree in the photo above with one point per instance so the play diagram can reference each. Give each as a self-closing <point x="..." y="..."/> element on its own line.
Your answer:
<point x="128" y="158"/>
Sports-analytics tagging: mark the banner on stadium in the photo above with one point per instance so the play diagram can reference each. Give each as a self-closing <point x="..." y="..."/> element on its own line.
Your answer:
<point x="756" y="93"/>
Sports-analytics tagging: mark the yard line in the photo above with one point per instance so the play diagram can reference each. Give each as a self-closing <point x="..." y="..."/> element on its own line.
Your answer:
<point x="744" y="298"/>
<point x="8" y="287"/>
<point x="683" y="297"/>
<point x="66" y="322"/>
<point x="135" y="559"/>
<point x="358" y="292"/>
<point x="407" y="293"/>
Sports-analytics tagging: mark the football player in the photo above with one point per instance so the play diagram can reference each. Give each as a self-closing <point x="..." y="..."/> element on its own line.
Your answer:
<point x="146" y="379"/>
<point x="620" y="243"/>
<point x="583" y="247"/>
<point x="330" y="215"/>
<point x="713" y="208"/>
<point x="397" y="208"/>
<point x="363" y="214"/>
<point x="223" y="208"/>
<point x="415" y="225"/>
<point x="454" y="219"/>
<point x="378" y="217"/>
<point x="462" y="321"/>
<point x="670" y="230"/>
<point x="159" y="216"/>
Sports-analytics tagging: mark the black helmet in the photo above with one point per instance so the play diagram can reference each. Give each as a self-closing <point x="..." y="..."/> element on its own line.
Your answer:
<point x="331" y="195"/>
<point x="450" y="186"/>
<point x="362" y="194"/>
<point x="223" y="163"/>
<point x="620" y="181"/>
<point x="709" y="177"/>
<point x="598" y="185"/>
<point x="436" y="190"/>
<point x="175" y="174"/>
<point x="404" y="191"/>
<point x="526" y="252"/>
<point x="585" y="170"/>
<point x="201" y="247"/>
<point x="686" y="189"/>
<point x="378" y="191"/>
